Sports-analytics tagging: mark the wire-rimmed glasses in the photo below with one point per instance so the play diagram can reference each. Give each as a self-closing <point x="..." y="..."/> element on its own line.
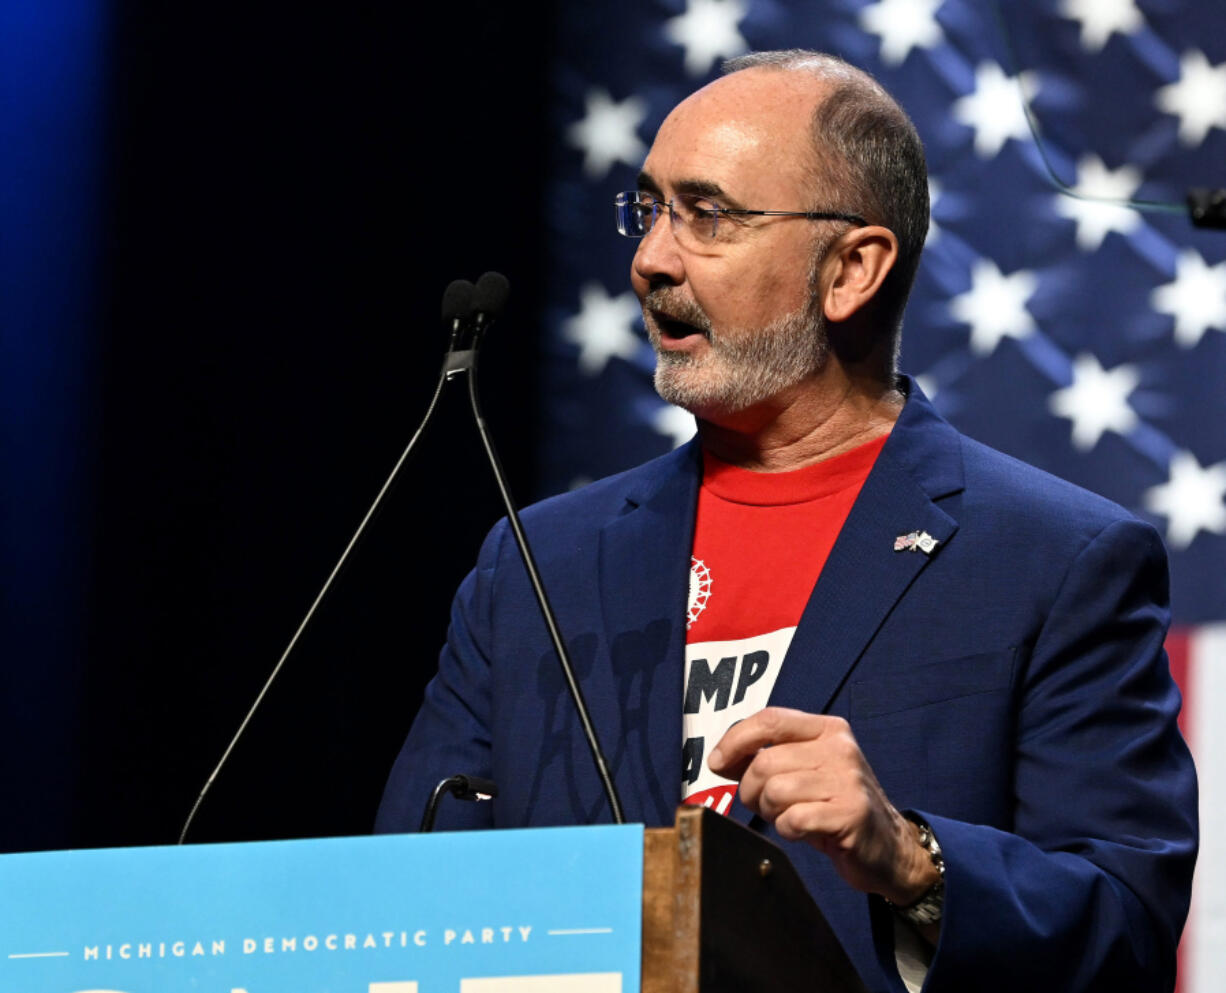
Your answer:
<point x="699" y="220"/>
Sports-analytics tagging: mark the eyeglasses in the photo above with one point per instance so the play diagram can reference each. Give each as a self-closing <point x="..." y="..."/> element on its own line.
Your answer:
<point x="700" y="220"/>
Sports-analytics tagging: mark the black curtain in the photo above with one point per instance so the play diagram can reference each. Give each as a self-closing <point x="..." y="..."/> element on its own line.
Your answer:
<point x="291" y="191"/>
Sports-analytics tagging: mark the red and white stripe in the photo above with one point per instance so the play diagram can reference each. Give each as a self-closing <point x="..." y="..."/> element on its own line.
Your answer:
<point x="1198" y="663"/>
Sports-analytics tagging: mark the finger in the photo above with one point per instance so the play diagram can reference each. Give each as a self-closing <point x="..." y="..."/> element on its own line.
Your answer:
<point x="770" y="797"/>
<point x="819" y="770"/>
<point x="783" y="760"/>
<point x="772" y="726"/>
<point x="820" y="822"/>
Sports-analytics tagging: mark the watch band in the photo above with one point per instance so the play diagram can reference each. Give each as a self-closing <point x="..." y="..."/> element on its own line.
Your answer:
<point x="929" y="907"/>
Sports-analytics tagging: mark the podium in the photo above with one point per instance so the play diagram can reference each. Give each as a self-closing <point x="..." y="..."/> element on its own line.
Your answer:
<point x="723" y="910"/>
<point x="705" y="905"/>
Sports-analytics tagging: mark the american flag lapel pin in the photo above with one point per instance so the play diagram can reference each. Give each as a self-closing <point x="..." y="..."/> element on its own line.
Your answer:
<point x="915" y="541"/>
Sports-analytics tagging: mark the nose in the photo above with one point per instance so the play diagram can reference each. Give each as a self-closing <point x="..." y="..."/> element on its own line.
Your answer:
<point x="658" y="260"/>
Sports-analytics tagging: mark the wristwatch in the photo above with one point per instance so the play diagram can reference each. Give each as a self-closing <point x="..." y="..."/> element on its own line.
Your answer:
<point x="929" y="907"/>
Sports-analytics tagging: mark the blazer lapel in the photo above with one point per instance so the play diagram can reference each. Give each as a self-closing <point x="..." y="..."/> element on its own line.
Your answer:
<point x="864" y="577"/>
<point x="644" y="566"/>
<point x="862" y="581"/>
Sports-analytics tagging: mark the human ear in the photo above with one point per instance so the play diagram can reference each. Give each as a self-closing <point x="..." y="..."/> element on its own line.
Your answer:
<point x="857" y="264"/>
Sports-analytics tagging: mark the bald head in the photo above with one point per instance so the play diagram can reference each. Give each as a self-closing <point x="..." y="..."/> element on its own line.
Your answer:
<point x="756" y="118"/>
<point x="863" y="148"/>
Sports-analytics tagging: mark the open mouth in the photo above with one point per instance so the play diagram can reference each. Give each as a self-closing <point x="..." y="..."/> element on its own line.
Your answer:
<point x="671" y="327"/>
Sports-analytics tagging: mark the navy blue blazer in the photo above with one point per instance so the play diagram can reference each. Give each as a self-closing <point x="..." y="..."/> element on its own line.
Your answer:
<point x="1011" y="687"/>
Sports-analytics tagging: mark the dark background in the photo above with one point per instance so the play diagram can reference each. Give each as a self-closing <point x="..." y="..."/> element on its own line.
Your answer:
<point x="285" y="193"/>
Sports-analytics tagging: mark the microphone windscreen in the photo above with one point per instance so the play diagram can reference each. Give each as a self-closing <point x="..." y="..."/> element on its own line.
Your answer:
<point x="458" y="300"/>
<point x="493" y="288"/>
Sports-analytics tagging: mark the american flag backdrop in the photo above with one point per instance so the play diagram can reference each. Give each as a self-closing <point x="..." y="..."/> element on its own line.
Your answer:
<point x="1083" y="337"/>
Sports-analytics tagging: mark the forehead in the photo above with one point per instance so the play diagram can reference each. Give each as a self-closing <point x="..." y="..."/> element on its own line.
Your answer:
<point x="747" y="135"/>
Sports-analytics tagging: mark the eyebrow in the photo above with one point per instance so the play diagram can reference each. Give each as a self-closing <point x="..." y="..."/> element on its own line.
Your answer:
<point x="697" y="187"/>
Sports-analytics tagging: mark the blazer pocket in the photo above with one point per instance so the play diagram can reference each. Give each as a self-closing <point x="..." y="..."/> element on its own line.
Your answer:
<point x="931" y="683"/>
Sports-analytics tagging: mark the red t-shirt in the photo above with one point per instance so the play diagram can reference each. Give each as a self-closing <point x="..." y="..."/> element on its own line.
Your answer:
<point x="760" y="542"/>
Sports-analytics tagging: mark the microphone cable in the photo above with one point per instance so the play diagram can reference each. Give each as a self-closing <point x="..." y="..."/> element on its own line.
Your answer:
<point x="1204" y="207"/>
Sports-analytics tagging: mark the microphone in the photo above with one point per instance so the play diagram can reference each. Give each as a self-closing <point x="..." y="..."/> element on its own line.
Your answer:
<point x="465" y="310"/>
<point x="469" y="788"/>
<point x="1207" y="208"/>
<point x="489" y="298"/>
<point x="458" y="311"/>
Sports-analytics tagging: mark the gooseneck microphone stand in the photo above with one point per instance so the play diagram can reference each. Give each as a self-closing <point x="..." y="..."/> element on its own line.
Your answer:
<point x="491" y="294"/>
<point x="467" y="312"/>
<point x="457" y="315"/>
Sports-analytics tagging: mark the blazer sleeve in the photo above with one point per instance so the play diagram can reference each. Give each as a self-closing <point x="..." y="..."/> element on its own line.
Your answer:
<point x="450" y="735"/>
<point x="1090" y="889"/>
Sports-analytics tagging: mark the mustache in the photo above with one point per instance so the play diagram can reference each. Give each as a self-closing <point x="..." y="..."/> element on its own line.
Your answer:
<point x="668" y="303"/>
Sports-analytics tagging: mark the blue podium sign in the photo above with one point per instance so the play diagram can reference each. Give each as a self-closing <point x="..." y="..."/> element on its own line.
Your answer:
<point x="529" y="911"/>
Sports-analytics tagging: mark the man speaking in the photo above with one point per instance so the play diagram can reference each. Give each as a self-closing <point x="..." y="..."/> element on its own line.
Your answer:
<point x="936" y="674"/>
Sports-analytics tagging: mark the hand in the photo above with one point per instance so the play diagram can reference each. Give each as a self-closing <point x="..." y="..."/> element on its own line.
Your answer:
<point x="806" y="774"/>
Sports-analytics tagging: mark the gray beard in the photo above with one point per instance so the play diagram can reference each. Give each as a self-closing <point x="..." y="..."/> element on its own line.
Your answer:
<point x="742" y="368"/>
